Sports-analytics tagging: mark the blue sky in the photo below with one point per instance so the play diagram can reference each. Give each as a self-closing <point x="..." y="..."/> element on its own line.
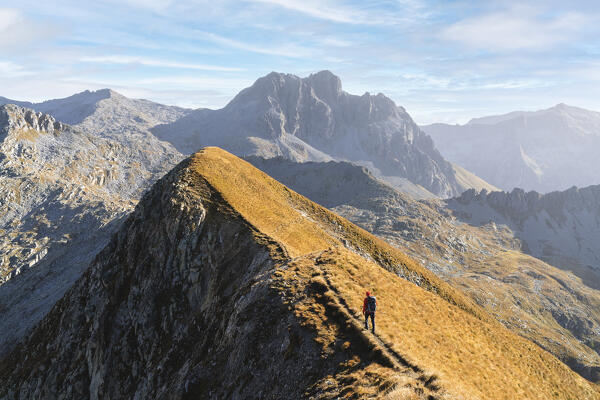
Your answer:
<point x="444" y="61"/>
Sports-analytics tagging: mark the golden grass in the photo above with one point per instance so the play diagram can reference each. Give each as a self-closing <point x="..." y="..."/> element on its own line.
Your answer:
<point x="264" y="202"/>
<point x="429" y="324"/>
<point x="304" y="226"/>
<point x="471" y="357"/>
<point x="28" y="134"/>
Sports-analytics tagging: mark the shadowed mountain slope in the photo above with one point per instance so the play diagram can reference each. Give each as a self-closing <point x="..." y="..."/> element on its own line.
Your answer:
<point x="225" y="283"/>
<point x="63" y="193"/>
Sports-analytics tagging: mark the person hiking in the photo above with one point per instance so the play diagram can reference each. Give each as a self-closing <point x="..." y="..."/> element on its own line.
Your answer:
<point x="369" y="307"/>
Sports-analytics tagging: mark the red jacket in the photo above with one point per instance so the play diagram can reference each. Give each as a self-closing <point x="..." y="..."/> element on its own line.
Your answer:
<point x="364" y="310"/>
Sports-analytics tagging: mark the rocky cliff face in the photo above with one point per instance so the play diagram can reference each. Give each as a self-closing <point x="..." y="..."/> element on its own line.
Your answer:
<point x="559" y="227"/>
<point x="62" y="194"/>
<point x="166" y="306"/>
<point x="225" y="284"/>
<point x="537" y="300"/>
<point x="313" y="119"/>
<point x="545" y="150"/>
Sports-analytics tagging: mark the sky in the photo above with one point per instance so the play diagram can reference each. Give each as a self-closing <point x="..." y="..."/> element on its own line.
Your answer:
<point x="444" y="61"/>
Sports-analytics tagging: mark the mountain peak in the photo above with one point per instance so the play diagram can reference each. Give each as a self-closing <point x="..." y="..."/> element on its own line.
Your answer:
<point x="92" y="96"/>
<point x="312" y="119"/>
<point x="325" y="84"/>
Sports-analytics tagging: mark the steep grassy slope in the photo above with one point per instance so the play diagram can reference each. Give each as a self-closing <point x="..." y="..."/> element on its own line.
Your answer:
<point x="553" y="308"/>
<point x="225" y="284"/>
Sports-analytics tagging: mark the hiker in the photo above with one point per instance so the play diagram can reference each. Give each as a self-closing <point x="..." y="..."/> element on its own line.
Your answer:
<point x="369" y="306"/>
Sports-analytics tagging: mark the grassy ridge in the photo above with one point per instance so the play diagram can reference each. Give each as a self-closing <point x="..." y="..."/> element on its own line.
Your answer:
<point x="303" y="226"/>
<point x="422" y="320"/>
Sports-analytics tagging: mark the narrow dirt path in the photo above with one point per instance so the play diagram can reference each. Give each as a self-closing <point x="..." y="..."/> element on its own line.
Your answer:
<point x="428" y="385"/>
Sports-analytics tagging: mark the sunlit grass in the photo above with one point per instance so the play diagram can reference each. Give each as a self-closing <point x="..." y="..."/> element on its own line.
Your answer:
<point x="430" y="324"/>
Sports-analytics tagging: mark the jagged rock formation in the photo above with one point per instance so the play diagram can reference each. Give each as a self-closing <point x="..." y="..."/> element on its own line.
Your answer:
<point x="62" y="194"/>
<point x="225" y="284"/>
<point x="313" y="119"/>
<point x="540" y="302"/>
<point x="545" y="150"/>
<point x="562" y="228"/>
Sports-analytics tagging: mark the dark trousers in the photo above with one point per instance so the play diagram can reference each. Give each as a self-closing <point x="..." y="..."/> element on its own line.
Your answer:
<point x="372" y="315"/>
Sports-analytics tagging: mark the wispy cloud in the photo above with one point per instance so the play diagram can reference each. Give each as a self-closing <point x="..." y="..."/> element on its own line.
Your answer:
<point x="331" y="11"/>
<point x="16" y="30"/>
<point x="516" y="29"/>
<point x="151" y="62"/>
<point x="11" y="70"/>
<point x="444" y="59"/>
<point x="154" y="5"/>
<point x="289" y="50"/>
<point x="9" y="18"/>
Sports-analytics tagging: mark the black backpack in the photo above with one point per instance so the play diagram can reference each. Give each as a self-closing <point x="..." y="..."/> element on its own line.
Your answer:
<point x="371" y="304"/>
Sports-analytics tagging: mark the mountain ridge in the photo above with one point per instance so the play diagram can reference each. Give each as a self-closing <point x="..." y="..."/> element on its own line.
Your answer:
<point x="536" y="300"/>
<point x="209" y="228"/>
<point x="558" y="227"/>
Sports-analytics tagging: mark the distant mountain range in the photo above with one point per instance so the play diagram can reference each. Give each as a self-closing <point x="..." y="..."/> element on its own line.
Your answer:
<point x="313" y="119"/>
<point x="105" y="111"/>
<point x="544" y="151"/>
<point x="302" y="119"/>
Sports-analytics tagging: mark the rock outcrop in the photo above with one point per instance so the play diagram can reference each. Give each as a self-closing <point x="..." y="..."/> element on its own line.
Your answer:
<point x="225" y="284"/>
<point x="545" y="151"/>
<point x="313" y="119"/>
<point x="560" y="228"/>
<point x="63" y="193"/>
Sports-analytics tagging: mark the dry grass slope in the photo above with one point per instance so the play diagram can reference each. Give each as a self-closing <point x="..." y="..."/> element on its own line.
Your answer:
<point x="432" y="341"/>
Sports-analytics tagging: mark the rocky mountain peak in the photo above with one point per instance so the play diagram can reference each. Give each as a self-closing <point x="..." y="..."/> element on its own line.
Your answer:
<point x="16" y="119"/>
<point x="313" y="119"/>
<point x="94" y="95"/>
<point x="325" y="84"/>
<point x="562" y="106"/>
